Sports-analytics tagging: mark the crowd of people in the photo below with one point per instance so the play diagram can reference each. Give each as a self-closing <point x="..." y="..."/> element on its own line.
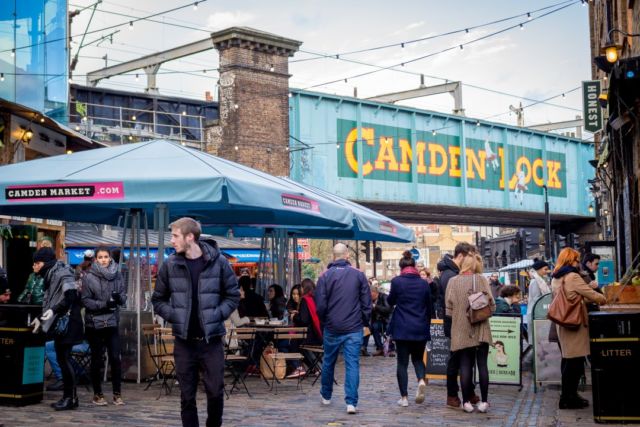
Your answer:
<point x="198" y="293"/>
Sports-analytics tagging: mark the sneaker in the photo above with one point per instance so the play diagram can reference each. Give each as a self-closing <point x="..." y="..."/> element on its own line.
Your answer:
<point x="117" y="400"/>
<point x="326" y="401"/>
<point x="98" y="399"/>
<point x="298" y="372"/>
<point x="453" y="402"/>
<point x="422" y="387"/>
<point x="351" y="409"/>
<point x="404" y="402"/>
<point x="467" y="407"/>
<point x="483" y="407"/>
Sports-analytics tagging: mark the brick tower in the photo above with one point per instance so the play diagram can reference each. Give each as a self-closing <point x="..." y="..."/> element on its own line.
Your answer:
<point x="253" y="128"/>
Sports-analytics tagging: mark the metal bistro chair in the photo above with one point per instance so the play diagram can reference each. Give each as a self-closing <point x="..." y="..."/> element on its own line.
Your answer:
<point x="237" y="363"/>
<point x="160" y="347"/>
<point x="288" y="334"/>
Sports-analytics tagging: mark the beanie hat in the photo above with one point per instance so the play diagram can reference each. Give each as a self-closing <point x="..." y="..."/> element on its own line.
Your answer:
<point x="44" y="255"/>
<point x="538" y="264"/>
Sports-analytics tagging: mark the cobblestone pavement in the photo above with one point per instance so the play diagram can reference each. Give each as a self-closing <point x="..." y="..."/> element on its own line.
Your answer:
<point x="291" y="407"/>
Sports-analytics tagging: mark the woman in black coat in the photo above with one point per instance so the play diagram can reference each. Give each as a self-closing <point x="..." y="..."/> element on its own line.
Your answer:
<point x="103" y="292"/>
<point x="61" y="305"/>
<point x="277" y="302"/>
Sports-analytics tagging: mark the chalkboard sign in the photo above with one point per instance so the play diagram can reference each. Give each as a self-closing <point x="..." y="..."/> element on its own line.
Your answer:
<point x="437" y="357"/>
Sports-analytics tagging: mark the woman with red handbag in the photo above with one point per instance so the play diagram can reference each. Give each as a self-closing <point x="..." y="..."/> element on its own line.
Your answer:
<point x="574" y="340"/>
<point x="470" y="337"/>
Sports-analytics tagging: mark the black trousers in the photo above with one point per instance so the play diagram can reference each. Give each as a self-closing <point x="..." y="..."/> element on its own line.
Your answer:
<point x="572" y="370"/>
<point x="99" y="339"/>
<point x="191" y="356"/>
<point x="63" y="354"/>
<point x="469" y="357"/>
<point x="453" y="367"/>
<point x="404" y="349"/>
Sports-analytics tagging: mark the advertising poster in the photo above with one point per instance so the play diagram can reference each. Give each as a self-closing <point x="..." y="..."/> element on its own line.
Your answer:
<point x="436" y="358"/>
<point x="504" y="354"/>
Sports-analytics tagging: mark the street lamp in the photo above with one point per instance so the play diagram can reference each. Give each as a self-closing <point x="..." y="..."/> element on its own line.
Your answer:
<point x="590" y="208"/>
<point x="612" y="50"/>
<point x="547" y="225"/>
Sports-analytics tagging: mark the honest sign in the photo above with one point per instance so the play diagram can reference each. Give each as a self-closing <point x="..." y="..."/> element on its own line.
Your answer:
<point x="389" y="155"/>
<point x="590" y="105"/>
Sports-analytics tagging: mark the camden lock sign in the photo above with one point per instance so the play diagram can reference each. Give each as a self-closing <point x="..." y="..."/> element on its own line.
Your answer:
<point x="592" y="111"/>
<point x="388" y="155"/>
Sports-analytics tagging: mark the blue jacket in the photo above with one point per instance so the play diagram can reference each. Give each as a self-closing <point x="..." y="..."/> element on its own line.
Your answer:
<point x="411" y="317"/>
<point x="343" y="298"/>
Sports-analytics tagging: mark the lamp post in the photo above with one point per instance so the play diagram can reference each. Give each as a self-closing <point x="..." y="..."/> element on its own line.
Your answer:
<point x="547" y="225"/>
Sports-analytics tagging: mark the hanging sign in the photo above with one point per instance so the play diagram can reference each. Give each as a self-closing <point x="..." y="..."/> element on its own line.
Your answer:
<point x="591" y="108"/>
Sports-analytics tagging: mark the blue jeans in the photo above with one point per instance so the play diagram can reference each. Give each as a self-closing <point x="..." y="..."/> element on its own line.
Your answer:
<point x="50" y="352"/>
<point x="350" y="344"/>
<point x="376" y="330"/>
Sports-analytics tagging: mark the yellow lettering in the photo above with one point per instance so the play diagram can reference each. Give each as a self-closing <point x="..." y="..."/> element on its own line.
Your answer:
<point x="536" y="167"/>
<point x="552" y="170"/>
<point x="501" y="155"/>
<point x="436" y="150"/>
<point x="385" y="154"/>
<point x="454" y="153"/>
<point x="474" y="163"/>
<point x="406" y="155"/>
<point x="368" y="136"/>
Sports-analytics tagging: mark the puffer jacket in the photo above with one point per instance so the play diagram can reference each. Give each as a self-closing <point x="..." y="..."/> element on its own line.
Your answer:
<point x="218" y="290"/>
<point x="97" y="285"/>
<point x="448" y="269"/>
<point x="61" y="296"/>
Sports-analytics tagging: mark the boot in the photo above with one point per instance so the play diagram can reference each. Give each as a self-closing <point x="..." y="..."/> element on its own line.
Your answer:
<point x="65" y="404"/>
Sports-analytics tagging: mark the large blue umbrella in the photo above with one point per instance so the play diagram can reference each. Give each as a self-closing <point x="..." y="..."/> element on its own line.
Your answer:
<point x="367" y="224"/>
<point x="96" y="185"/>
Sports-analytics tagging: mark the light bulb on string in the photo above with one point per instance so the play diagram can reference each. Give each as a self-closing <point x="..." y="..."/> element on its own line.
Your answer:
<point x="130" y="25"/>
<point x="461" y="47"/>
<point x="522" y="26"/>
<point x="137" y="77"/>
<point x="195" y="6"/>
<point x="528" y="16"/>
<point x="1" y="77"/>
<point x="13" y="53"/>
<point x="433" y="132"/>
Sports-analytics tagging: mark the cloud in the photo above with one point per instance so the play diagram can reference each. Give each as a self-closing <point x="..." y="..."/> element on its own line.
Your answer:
<point x="414" y="25"/>
<point x="221" y="20"/>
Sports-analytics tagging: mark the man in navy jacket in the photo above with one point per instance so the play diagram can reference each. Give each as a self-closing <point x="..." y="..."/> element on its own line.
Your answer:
<point x="343" y="303"/>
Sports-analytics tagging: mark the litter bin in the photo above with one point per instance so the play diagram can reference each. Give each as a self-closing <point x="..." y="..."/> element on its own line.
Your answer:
<point x="21" y="356"/>
<point x="615" y="366"/>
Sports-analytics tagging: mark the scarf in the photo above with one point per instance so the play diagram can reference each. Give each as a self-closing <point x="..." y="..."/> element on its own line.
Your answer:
<point x="311" y="304"/>
<point x="563" y="271"/>
<point x="542" y="284"/>
<point x="410" y="270"/>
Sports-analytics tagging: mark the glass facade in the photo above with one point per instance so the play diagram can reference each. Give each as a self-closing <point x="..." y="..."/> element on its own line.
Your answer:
<point x="34" y="59"/>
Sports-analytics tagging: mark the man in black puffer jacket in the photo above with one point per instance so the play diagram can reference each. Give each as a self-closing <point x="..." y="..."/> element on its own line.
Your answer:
<point x="196" y="291"/>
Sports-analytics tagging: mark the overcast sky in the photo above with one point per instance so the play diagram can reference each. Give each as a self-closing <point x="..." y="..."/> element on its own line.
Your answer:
<point x="547" y="57"/>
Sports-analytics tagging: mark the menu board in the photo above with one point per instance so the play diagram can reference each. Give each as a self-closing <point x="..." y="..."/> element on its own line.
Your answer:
<point x="438" y="355"/>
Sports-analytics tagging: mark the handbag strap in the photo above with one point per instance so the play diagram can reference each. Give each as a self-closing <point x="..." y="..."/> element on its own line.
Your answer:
<point x="474" y="283"/>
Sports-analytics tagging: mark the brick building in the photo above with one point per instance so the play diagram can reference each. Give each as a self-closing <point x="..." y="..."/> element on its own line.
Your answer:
<point x="617" y="23"/>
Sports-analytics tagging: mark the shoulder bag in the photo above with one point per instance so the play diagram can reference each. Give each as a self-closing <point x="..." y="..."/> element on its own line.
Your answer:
<point x="568" y="314"/>
<point x="479" y="308"/>
<point x="62" y="325"/>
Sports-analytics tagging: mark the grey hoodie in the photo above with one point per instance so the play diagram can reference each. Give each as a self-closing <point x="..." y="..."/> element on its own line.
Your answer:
<point x="97" y="286"/>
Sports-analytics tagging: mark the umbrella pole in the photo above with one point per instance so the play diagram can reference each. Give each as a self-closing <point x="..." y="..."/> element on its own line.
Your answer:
<point x="147" y="291"/>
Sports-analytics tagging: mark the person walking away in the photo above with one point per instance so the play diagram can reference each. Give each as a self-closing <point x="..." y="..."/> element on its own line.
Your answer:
<point x="410" y="324"/>
<point x="196" y="291"/>
<point x="574" y="343"/>
<point x="434" y="285"/>
<point x="449" y="267"/>
<point x="103" y="293"/>
<point x="343" y="303"/>
<point x="508" y="301"/>
<point x="380" y="312"/>
<point x="61" y="303"/>
<point x="470" y="343"/>
<point x="538" y="286"/>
